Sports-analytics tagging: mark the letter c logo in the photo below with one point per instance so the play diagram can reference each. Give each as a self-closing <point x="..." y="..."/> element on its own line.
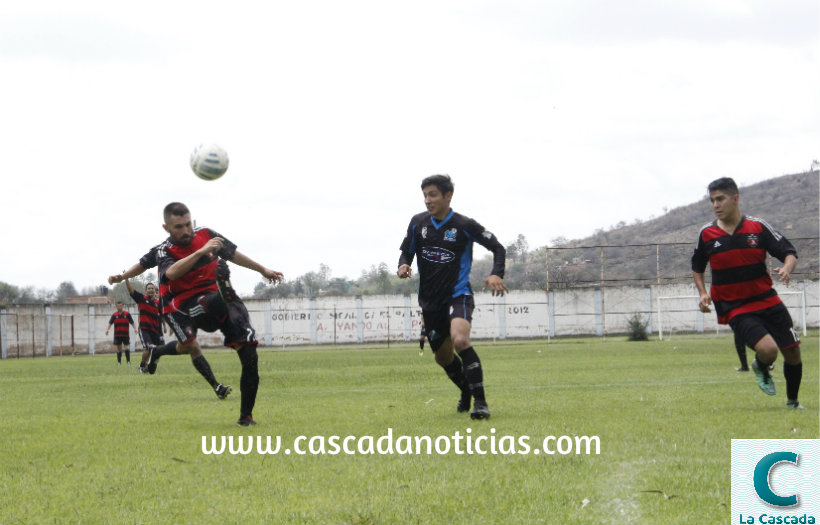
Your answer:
<point x="761" y="479"/>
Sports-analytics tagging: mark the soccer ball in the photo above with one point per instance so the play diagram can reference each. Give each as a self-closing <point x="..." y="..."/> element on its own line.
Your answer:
<point x="209" y="161"/>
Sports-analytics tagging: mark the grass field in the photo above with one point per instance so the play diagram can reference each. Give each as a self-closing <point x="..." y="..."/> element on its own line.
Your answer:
<point x="87" y="442"/>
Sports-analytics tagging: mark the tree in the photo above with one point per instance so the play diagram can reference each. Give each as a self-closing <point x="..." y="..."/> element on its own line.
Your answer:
<point x="65" y="290"/>
<point x="8" y="293"/>
<point x="522" y="247"/>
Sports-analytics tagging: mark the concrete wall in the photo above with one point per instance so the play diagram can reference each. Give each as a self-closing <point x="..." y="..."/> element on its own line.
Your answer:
<point x="42" y="330"/>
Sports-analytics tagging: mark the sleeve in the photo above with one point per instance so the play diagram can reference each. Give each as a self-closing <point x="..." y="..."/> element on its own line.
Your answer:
<point x="699" y="257"/>
<point x="149" y="260"/>
<point x="228" y="248"/>
<point x="128" y="316"/>
<point x="776" y="244"/>
<point x="111" y="321"/>
<point x="489" y="241"/>
<point x="137" y="296"/>
<point x="408" y="245"/>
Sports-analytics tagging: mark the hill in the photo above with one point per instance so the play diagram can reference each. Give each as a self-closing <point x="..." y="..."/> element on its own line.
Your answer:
<point x="791" y="203"/>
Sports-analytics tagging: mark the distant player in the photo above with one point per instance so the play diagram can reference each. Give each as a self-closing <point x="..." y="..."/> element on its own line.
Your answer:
<point x="151" y="324"/>
<point x="120" y="320"/>
<point x="443" y="241"/>
<point x="196" y="294"/>
<point x="735" y="247"/>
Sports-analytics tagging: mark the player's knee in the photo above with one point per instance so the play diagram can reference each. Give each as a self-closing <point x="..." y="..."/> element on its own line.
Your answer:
<point x="248" y="356"/>
<point x="461" y="341"/>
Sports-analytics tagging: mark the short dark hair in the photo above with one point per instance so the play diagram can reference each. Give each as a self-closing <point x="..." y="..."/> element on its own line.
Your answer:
<point x="442" y="182"/>
<point x="120" y="302"/>
<point x="175" y="208"/>
<point x="150" y="284"/>
<point x="725" y="184"/>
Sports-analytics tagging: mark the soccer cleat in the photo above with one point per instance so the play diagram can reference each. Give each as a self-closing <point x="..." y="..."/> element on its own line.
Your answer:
<point x="464" y="402"/>
<point x="742" y="369"/>
<point x="143" y="368"/>
<point x="793" y="404"/>
<point x="223" y="282"/>
<point x="480" y="411"/>
<point x="245" y="421"/>
<point x="764" y="379"/>
<point x="222" y="391"/>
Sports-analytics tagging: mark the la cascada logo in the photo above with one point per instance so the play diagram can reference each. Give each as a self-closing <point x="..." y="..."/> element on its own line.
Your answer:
<point x="761" y="479"/>
<point x="775" y="481"/>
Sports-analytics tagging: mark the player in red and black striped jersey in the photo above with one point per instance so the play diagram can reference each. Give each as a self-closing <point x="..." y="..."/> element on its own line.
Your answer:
<point x="195" y="292"/>
<point x="443" y="241"/>
<point x="735" y="246"/>
<point x="120" y="320"/>
<point x="151" y="324"/>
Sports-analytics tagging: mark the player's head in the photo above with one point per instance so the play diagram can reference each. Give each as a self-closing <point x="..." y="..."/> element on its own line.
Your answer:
<point x="119" y="306"/>
<point x="150" y="290"/>
<point x="438" y="192"/>
<point x="178" y="223"/>
<point x="725" y="184"/>
<point x="724" y="196"/>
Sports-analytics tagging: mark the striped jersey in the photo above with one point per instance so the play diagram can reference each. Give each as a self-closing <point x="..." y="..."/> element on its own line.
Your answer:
<point x="740" y="281"/>
<point x="445" y="255"/>
<point x="149" y="310"/>
<point x="121" y="320"/>
<point x="201" y="278"/>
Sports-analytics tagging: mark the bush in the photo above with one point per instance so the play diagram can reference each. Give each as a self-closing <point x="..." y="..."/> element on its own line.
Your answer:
<point x="636" y="326"/>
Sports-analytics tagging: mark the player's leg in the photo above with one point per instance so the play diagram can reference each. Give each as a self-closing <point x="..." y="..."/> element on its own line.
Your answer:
<point x="740" y="348"/>
<point x="780" y="324"/>
<point x="437" y="325"/>
<point x="753" y="332"/>
<point x="239" y="334"/>
<point x="127" y="344"/>
<point x="185" y="332"/>
<point x="461" y="315"/>
<point x="118" y="346"/>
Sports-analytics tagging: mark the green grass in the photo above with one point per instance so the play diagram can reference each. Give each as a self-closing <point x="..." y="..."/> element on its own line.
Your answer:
<point x="86" y="442"/>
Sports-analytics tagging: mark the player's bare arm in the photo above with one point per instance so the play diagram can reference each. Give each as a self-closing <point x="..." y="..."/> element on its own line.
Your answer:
<point x="244" y="261"/>
<point x="496" y="285"/>
<point x="705" y="300"/>
<point x="404" y="271"/>
<point x="135" y="270"/>
<point x="785" y="271"/>
<point x="184" y="265"/>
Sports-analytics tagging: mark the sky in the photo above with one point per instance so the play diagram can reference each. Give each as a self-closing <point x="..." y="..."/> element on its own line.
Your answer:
<point x="554" y="119"/>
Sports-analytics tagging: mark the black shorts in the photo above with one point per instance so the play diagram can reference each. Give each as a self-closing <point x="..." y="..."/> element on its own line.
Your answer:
<point x="122" y="340"/>
<point x="774" y="321"/>
<point x="150" y="337"/>
<point x="209" y="313"/>
<point x="437" y="322"/>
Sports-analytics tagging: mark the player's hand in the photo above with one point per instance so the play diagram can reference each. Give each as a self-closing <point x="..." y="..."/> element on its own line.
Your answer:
<point x="114" y="279"/>
<point x="214" y="245"/>
<point x="496" y="285"/>
<point x="404" y="271"/>
<point x="704" y="303"/>
<point x="273" y="276"/>
<point x="785" y="275"/>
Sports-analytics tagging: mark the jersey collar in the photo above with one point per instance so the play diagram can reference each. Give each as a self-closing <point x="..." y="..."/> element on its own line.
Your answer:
<point x="437" y="225"/>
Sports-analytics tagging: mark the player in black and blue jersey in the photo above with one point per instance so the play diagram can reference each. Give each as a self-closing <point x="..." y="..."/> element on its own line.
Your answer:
<point x="443" y="241"/>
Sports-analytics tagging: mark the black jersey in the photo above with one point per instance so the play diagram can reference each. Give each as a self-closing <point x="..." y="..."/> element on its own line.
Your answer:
<point x="445" y="255"/>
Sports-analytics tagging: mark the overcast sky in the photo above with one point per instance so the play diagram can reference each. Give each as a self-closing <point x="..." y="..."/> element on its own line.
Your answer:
<point x="554" y="118"/>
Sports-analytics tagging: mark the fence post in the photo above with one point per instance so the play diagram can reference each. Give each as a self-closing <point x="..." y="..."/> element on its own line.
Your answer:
<point x="648" y="306"/>
<point x="312" y="315"/>
<point x="599" y="318"/>
<point x="48" y="331"/>
<point x="91" y="329"/>
<point x="408" y="330"/>
<point x="3" y="334"/>
<point x="551" y="310"/>
<point x="359" y="319"/>
<point x="502" y="317"/>
<point x="268" y="325"/>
